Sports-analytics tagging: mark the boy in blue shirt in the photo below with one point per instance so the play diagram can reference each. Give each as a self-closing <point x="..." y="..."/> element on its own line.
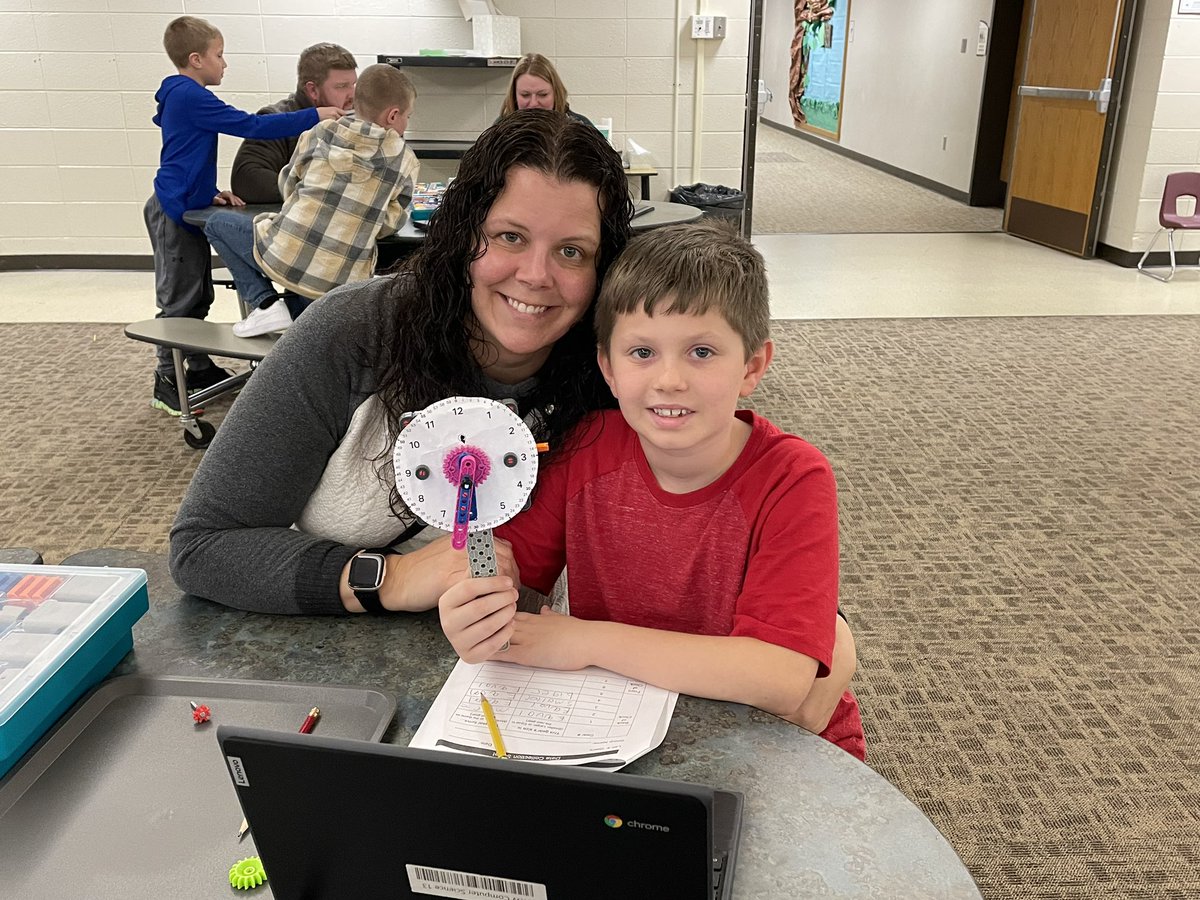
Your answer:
<point x="191" y="117"/>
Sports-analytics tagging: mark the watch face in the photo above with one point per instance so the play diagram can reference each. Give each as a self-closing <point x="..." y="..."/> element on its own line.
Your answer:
<point x="366" y="572"/>
<point x="430" y="453"/>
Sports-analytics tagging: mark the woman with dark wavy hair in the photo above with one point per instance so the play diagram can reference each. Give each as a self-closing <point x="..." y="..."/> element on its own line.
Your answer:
<point x="496" y="303"/>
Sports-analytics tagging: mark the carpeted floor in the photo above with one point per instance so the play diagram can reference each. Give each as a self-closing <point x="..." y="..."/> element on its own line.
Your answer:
<point x="1020" y="506"/>
<point x="801" y="187"/>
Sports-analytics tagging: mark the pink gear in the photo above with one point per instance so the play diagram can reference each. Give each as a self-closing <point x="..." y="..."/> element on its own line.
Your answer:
<point x="453" y="462"/>
<point x="200" y="713"/>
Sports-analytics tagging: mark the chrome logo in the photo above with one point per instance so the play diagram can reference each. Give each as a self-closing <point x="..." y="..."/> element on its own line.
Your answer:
<point x="613" y="821"/>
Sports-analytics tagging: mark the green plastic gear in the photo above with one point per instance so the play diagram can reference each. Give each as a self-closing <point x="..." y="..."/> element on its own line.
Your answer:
<point x="247" y="873"/>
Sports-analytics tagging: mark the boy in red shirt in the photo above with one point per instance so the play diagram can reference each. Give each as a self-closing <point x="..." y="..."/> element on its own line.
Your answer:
<point x="702" y="540"/>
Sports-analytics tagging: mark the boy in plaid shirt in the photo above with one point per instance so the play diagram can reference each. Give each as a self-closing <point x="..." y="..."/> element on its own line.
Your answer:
<point x="349" y="181"/>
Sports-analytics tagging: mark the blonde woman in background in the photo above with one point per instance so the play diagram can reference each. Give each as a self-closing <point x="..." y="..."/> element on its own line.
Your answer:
<point x="535" y="85"/>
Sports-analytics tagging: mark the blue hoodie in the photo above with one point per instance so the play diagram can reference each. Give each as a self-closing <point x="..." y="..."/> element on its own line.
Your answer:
<point x="191" y="117"/>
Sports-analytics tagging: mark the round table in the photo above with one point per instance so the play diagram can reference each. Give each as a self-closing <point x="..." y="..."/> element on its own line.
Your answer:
<point x="817" y="821"/>
<point x="20" y="556"/>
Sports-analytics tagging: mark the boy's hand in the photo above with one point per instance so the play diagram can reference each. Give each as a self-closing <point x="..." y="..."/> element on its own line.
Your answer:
<point x="329" y="112"/>
<point x="228" y="198"/>
<point x="548" y="640"/>
<point x="477" y="616"/>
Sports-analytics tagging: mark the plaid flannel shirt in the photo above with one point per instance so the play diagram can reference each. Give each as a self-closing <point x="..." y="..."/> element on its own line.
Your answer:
<point x="348" y="182"/>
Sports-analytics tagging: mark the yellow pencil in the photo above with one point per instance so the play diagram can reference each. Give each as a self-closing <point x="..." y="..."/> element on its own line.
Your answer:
<point x="497" y="740"/>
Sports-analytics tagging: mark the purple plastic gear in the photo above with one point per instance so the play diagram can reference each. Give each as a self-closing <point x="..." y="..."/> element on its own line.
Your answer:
<point x="450" y="465"/>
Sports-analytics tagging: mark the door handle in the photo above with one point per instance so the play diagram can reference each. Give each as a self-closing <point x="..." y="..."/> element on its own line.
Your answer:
<point x="1100" y="97"/>
<point x="764" y="95"/>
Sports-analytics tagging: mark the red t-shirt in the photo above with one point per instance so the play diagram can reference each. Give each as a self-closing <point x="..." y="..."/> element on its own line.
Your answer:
<point x="754" y="554"/>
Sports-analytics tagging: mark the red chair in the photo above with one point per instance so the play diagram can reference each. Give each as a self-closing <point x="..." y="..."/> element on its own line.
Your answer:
<point x="1179" y="184"/>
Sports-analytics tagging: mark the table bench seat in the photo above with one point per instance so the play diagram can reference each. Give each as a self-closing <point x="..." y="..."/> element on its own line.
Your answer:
<point x="182" y="336"/>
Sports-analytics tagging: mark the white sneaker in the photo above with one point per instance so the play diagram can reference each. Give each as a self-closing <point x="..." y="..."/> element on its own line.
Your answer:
<point x="263" y="321"/>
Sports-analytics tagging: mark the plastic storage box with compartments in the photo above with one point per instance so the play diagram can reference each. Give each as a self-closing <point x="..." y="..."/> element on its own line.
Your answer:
<point x="62" y="629"/>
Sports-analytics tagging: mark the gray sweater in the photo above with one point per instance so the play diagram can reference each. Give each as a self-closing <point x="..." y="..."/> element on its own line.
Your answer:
<point x="233" y="540"/>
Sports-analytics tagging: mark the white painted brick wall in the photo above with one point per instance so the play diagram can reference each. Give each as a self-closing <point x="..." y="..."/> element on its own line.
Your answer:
<point x="78" y="150"/>
<point x="1161" y="129"/>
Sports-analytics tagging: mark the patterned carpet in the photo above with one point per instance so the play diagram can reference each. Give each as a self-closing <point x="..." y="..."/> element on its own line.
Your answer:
<point x="1020" y="504"/>
<point x="801" y="187"/>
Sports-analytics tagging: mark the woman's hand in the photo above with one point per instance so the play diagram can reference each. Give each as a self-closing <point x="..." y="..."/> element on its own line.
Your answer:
<point x="414" y="581"/>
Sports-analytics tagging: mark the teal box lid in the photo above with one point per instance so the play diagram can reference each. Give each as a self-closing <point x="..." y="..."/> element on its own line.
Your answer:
<point x="62" y="629"/>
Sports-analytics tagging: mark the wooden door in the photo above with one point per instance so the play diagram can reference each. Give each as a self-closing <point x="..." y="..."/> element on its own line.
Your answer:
<point x="1075" y="53"/>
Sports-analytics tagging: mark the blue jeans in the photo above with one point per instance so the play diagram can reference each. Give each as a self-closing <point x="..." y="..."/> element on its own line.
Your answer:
<point x="232" y="236"/>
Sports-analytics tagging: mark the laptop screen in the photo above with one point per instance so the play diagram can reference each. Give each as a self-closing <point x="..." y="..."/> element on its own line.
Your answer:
<point x="335" y="818"/>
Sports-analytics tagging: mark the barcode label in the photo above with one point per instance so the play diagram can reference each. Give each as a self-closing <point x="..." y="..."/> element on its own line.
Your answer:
<point x="470" y="885"/>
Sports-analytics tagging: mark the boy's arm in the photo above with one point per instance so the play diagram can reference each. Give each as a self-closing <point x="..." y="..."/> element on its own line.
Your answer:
<point x="397" y="208"/>
<point x="211" y="114"/>
<point x="737" y="669"/>
<point x="826" y="693"/>
<point x="479" y="616"/>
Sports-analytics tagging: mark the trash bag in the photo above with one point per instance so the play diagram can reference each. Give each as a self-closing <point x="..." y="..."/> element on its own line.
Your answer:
<point x="714" y="200"/>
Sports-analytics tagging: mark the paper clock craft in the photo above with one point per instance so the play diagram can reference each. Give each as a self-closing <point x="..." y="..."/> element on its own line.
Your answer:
<point x="466" y="465"/>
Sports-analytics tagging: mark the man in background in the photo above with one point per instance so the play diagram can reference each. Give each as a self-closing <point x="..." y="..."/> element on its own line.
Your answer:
<point x="325" y="76"/>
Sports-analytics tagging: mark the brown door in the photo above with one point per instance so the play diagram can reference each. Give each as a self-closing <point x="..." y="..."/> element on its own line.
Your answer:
<point x="1074" y="53"/>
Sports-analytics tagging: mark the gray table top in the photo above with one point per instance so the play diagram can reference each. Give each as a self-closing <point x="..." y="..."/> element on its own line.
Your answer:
<point x="20" y="556"/>
<point x="192" y="334"/>
<point x="663" y="213"/>
<point x="817" y="822"/>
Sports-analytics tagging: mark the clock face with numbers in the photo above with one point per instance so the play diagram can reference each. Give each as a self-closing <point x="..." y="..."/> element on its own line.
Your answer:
<point x="429" y="454"/>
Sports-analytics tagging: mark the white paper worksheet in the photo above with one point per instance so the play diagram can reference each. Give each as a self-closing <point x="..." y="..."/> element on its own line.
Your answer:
<point x="591" y="717"/>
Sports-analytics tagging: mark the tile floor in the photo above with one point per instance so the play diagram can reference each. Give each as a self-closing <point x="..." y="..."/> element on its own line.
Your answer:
<point x="836" y="276"/>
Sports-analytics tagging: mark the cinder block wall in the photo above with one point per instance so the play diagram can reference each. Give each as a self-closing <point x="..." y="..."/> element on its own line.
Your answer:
<point x="77" y="79"/>
<point x="1160" y="126"/>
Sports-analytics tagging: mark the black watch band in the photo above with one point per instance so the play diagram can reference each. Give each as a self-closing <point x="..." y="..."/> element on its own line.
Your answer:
<point x="370" y="602"/>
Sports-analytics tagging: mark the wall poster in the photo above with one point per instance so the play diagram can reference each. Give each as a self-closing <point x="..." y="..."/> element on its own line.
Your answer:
<point x="818" y="62"/>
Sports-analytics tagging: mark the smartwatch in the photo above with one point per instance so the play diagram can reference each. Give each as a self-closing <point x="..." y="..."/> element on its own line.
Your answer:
<point x="367" y="569"/>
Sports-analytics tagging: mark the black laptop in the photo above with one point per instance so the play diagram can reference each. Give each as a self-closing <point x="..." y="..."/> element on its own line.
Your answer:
<point x="336" y="818"/>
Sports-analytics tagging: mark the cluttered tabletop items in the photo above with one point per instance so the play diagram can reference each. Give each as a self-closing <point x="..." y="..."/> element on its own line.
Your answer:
<point x="427" y="196"/>
<point x="140" y="749"/>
